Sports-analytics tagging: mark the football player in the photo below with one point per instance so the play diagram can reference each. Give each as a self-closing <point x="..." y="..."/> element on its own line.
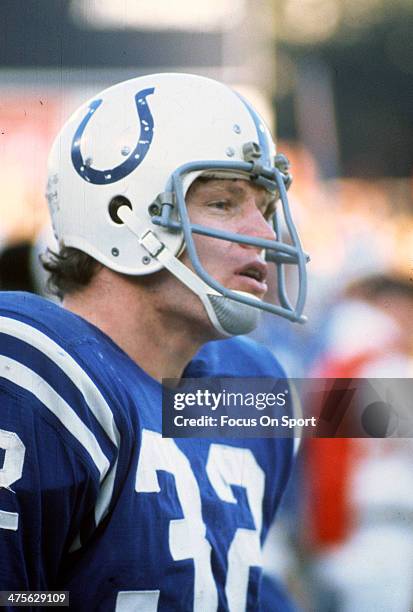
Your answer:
<point x="163" y="194"/>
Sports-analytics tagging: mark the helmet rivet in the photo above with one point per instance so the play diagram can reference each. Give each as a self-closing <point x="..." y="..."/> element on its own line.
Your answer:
<point x="237" y="129"/>
<point x="125" y="151"/>
<point x="154" y="210"/>
<point x="146" y="260"/>
<point x="230" y="152"/>
<point x="115" y="252"/>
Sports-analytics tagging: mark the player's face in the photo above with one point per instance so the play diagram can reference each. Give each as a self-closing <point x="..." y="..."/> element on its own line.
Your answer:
<point x="236" y="206"/>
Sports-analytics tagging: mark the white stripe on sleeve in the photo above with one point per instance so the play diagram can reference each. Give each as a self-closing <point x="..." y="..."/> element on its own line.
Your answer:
<point x="93" y="397"/>
<point x="23" y="377"/>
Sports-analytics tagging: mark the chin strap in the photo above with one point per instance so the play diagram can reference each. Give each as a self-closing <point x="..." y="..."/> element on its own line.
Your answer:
<point x="229" y="318"/>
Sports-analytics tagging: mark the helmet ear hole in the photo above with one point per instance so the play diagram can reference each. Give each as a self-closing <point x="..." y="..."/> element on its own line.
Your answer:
<point x="114" y="205"/>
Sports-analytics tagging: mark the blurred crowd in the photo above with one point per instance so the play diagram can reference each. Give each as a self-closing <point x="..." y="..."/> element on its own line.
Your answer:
<point x="346" y="538"/>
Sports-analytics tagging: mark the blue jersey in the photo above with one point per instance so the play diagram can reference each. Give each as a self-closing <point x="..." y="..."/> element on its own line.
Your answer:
<point x="94" y="501"/>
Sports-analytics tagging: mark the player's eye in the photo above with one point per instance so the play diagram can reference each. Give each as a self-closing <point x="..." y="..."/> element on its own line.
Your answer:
<point x="219" y="204"/>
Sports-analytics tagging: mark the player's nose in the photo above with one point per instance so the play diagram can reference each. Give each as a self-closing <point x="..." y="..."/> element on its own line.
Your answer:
<point x="255" y="224"/>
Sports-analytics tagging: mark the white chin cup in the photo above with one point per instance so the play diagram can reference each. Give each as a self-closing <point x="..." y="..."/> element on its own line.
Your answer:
<point x="229" y="317"/>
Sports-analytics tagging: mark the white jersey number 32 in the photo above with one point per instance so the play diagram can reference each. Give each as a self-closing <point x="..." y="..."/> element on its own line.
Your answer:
<point x="226" y="466"/>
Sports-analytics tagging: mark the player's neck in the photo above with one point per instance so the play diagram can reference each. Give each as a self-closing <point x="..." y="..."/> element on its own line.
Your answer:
<point x="162" y="346"/>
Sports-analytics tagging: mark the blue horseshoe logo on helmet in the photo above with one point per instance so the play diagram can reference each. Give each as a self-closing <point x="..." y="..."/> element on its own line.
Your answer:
<point x="105" y="177"/>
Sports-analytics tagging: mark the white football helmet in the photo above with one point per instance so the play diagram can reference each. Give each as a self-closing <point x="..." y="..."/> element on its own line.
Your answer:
<point x="120" y="168"/>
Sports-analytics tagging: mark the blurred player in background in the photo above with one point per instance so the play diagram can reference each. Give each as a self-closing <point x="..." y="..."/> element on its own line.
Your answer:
<point x="165" y="193"/>
<point x="360" y="501"/>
